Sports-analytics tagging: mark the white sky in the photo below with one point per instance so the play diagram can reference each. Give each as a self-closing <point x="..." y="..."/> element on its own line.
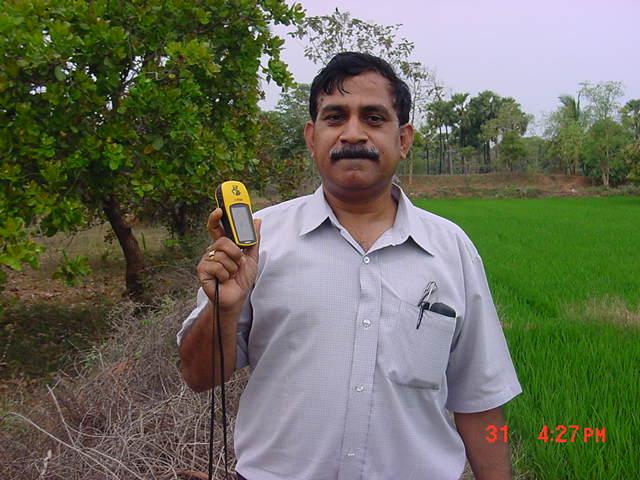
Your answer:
<point x="532" y="50"/>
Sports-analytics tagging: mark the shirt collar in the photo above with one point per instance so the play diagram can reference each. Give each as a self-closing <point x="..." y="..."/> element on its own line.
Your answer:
<point x="407" y="223"/>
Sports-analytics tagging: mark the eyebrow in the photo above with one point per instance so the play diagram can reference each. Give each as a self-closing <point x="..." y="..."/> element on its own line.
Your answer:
<point x="375" y="108"/>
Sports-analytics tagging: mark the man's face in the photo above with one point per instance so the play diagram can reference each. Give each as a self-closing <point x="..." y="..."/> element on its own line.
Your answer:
<point x="362" y="126"/>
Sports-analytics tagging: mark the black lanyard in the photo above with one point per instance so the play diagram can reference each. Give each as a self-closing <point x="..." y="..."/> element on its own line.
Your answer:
<point x="222" y="393"/>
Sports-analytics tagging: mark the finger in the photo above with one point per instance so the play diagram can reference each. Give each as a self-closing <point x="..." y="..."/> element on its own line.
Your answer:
<point x="253" y="250"/>
<point x="228" y="263"/>
<point x="214" y="225"/>
<point x="227" y="246"/>
<point x="208" y="271"/>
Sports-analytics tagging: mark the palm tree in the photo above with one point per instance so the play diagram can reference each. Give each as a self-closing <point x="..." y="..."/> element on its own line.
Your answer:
<point x="571" y="107"/>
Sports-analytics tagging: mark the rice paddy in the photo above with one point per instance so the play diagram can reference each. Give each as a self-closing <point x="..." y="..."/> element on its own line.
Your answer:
<point x="565" y="275"/>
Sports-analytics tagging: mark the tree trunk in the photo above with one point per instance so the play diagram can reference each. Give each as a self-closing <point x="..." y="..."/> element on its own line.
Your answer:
<point x="446" y="133"/>
<point x="180" y="223"/>
<point x="604" y="171"/>
<point x="441" y="150"/>
<point x="411" y="167"/>
<point x="130" y="248"/>
<point x="427" y="159"/>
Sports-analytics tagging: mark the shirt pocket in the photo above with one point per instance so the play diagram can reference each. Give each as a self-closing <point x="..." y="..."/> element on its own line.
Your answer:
<point x="416" y="357"/>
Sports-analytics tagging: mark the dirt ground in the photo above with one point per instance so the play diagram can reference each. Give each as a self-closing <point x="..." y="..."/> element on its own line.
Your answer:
<point x="495" y="184"/>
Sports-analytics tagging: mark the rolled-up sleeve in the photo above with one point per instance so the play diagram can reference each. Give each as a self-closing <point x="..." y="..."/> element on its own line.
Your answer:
<point x="480" y="372"/>
<point x="242" y="336"/>
<point x="244" y="326"/>
<point x="201" y="302"/>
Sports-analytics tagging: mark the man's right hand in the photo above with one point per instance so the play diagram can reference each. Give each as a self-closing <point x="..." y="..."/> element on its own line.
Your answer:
<point x="236" y="270"/>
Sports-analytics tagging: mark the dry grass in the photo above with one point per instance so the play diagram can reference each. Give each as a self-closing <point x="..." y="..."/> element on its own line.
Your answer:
<point x="124" y="413"/>
<point x="608" y="309"/>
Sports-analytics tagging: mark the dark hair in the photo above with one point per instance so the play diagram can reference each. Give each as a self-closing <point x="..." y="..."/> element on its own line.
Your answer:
<point x="349" y="64"/>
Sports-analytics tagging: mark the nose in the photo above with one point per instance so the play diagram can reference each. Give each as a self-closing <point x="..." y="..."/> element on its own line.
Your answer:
<point x="353" y="131"/>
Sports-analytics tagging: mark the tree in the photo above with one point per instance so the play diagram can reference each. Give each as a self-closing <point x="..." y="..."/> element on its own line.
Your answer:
<point x="604" y="149"/>
<point x="512" y="149"/>
<point x="630" y="114"/>
<point x="339" y="32"/>
<point x="509" y="121"/>
<point x="282" y="151"/>
<point x="603" y="100"/>
<point x="481" y="109"/>
<point x="423" y="85"/>
<point x="566" y="128"/>
<point x="439" y="116"/>
<point x="459" y="105"/>
<point x="109" y="107"/>
<point x="293" y="113"/>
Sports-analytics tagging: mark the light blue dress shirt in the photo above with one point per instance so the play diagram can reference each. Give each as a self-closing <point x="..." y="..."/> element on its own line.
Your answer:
<point x="343" y="385"/>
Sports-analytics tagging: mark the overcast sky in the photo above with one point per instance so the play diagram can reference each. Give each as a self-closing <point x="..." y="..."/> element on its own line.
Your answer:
<point x="533" y="51"/>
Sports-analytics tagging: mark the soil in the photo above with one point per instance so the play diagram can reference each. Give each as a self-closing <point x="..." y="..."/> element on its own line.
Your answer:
<point x="495" y="184"/>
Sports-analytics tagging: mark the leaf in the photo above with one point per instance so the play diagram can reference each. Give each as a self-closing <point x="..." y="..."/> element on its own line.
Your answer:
<point x="59" y="73"/>
<point x="158" y="143"/>
<point x="11" y="262"/>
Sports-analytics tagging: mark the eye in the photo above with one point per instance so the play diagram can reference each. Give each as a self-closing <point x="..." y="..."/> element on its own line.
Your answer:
<point x="333" y="117"/>
<point x="375" y="119"/>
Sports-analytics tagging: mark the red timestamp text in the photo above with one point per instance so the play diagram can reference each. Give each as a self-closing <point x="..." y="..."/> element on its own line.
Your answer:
<point x="572" y="434"/>
<point x="497" y="434"/>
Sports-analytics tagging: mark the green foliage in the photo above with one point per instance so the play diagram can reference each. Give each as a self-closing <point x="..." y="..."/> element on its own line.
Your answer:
<point x="71" y="270"/>
<point x="282" y="159"/>
<point x="630" y="114"/>
<point x="604" y="149"/>
<point x="631" y="155"/>
<point x="147" y="103"/>
<point x="292" y="112"/>
<point x="566" y="145"/>
<point x="512" y="149"/>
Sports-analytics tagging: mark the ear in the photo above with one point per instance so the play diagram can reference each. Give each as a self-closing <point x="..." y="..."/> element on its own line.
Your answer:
<point x="309" y="128"/>
<point x="406" y="139"/>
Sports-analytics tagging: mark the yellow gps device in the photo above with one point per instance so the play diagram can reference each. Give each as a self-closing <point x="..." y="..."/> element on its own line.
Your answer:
<point x="232" y="197"/>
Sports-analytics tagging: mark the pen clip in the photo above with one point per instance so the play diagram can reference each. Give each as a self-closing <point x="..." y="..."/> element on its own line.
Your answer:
<point x="426" y="294"/>
<point x="424" y="301"/>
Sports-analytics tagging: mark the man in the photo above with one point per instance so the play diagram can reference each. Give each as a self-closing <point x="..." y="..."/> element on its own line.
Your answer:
<point x="365" y="321"/>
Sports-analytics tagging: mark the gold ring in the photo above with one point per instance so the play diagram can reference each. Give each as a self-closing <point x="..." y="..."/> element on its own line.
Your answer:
<point x="211" y="254"/>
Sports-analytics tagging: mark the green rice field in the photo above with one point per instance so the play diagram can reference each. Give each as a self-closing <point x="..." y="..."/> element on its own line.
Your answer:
<point x="565" y="275"/>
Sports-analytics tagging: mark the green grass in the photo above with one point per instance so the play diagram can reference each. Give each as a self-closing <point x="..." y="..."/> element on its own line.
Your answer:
<point x="565" y="274"/>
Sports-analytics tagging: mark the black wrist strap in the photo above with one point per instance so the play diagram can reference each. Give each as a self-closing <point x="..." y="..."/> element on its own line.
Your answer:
<point x="222" y="392"/>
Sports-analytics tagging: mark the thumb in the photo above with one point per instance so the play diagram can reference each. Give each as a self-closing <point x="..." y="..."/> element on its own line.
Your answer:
<point x="253" y="251"/>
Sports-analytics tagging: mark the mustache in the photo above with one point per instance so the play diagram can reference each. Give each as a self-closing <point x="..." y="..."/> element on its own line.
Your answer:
<point x="357" y="151"/>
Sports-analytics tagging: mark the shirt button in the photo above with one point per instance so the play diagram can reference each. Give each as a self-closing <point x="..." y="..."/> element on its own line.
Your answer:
<point x="360" y="388"/>
<point x="366" y="260"/>
<point x="366" y="323"/>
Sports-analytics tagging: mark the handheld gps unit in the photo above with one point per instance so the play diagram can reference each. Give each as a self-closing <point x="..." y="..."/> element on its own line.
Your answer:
<point x="232" y="197"/>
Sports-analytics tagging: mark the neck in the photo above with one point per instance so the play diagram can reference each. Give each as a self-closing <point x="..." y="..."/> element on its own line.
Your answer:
<point x="365" y="213"/>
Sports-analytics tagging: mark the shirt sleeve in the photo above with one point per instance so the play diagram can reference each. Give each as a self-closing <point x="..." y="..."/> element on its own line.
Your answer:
<point x="480" y="372"/>
<point x="201" y="302"/>
<point x="242" y="336"/>
<point x="244" y="326"/>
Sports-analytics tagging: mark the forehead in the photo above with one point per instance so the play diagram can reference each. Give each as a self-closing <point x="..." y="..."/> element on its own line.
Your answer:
<point x="366" y="88"/>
